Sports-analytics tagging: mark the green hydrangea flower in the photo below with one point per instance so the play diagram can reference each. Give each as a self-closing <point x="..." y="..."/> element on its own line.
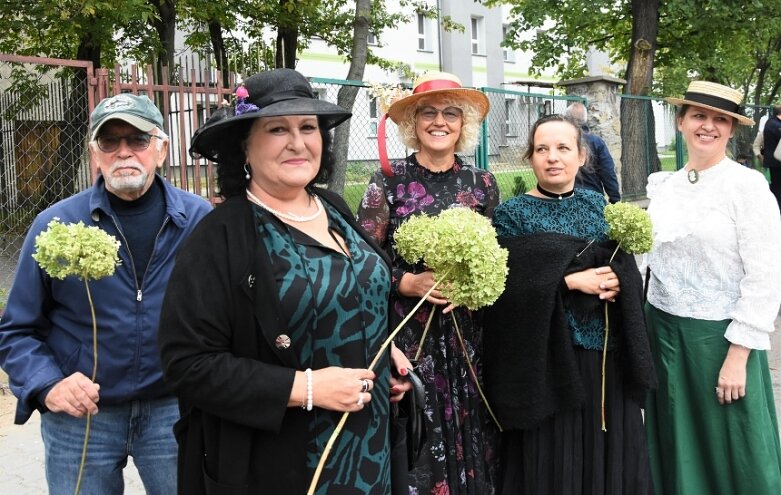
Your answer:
<point x="630" y="226"/>
<point x="460" y="246"/>
<point x="88" y="253"/>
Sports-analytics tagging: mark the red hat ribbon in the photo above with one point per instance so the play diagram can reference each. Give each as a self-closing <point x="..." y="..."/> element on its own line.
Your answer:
<point x="384" y="163"/>
<point x="436" y="84"/>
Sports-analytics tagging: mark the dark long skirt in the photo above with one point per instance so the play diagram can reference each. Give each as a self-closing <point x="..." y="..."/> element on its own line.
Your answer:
<point x="697" y="445"/>
<point x="569" y="454"/>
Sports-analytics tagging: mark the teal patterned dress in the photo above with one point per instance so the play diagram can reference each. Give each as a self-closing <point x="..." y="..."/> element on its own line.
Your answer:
<point x="336" y="308"/>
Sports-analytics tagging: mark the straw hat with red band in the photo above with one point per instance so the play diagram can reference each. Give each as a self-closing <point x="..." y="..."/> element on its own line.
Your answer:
<point x="716" y="97"/>
<point x="429" y="84"/>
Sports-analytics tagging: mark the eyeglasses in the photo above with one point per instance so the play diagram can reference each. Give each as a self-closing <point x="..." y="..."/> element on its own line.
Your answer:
<point x="136" y="142"/>
<point x="450" y="114"/>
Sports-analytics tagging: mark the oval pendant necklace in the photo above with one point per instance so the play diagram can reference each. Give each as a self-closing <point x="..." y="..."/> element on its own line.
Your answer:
<point x="693" y="176"/>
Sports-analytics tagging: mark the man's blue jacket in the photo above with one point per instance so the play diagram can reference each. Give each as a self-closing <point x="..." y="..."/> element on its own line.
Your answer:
<point x="46" y="330"/>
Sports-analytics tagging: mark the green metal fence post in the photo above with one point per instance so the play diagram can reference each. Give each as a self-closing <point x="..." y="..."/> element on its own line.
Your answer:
<point x="481" y="154"/>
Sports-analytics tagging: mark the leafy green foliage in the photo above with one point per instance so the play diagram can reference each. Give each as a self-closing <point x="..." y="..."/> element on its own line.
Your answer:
<point x="88" y="253"/>
<point x="734" y="43"/>
<point x="630" y="226"/>
<point x="460" y="246"/>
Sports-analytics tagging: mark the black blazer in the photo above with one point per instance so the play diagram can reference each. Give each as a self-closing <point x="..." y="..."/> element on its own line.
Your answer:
<point x="220" y="320"/>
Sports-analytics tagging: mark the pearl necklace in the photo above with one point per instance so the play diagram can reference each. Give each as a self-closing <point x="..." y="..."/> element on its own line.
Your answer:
<point x="287" y="216"/>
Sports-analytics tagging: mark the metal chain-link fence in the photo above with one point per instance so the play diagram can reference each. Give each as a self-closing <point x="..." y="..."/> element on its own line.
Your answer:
<point x="44" y="108"/>
<point x="45" y="105"/>
<point x="502" y="144"/>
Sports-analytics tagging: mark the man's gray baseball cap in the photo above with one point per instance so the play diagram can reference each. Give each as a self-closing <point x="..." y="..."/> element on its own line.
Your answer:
<point x="138" y="111"/>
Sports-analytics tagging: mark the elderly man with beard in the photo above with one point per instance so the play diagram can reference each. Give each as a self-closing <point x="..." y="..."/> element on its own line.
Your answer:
<point x="46" y="330"/>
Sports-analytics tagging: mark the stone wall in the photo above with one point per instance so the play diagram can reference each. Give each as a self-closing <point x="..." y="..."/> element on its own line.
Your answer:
<point x="604" y="109"/>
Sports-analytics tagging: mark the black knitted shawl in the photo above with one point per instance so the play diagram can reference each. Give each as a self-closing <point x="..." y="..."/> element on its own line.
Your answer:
<point x="530" y="370"/>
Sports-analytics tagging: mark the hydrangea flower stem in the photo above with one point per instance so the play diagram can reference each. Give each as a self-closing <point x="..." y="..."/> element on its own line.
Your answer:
<point x="474" y="375"/>
<point x="94" y="376"/>
<point x="329" y="445"/>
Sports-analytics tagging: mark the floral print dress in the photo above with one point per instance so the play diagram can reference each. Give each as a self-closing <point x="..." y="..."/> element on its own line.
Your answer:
<point x="459" y="457"/>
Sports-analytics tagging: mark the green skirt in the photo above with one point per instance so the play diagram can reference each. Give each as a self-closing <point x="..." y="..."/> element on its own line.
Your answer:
<point x="696" y="445"/>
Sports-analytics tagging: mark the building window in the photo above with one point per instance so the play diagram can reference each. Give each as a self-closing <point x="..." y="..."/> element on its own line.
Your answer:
<point x="510" y="117"/>
<point x="477" y="35"/>
<point x="422" y="41"/>
<point x="373" y="116"/>
<point x="507" y="53"/>
<point x="371" y="39"/>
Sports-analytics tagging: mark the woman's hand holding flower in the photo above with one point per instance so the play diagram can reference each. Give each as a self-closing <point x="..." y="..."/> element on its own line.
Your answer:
<point x="417" y="284"/>
<point x="601" y="281"/>
<point x="339" y="389"/>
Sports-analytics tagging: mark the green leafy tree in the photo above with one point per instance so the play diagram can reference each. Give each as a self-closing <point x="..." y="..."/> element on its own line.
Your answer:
<point x="662" y="45"/>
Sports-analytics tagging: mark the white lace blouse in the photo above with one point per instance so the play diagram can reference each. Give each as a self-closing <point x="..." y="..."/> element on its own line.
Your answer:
<point x="717" y="251"/>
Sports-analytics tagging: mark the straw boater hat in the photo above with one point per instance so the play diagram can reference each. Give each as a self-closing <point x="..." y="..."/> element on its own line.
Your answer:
<point x="429" y="84"/>
<point x="270" y="93"/>
<point x="714" y="97"/>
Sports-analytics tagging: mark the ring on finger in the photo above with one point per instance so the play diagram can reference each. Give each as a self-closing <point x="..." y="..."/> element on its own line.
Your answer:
<point x="364" y="385"/>
<point x="360" y="399"/>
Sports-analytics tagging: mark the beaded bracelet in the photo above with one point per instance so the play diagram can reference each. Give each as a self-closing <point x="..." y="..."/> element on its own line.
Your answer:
<point x="308" y="389"/>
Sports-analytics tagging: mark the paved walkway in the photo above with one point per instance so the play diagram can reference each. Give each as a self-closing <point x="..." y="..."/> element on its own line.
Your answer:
<point x="21" y="449"/>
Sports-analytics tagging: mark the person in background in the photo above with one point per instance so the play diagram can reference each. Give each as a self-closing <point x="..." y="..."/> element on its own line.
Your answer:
<point x="46" y="329"/>
<point x="759" y="141"/>
<point x="771" y="135"/>
<point x="545" y="336"/>
<point x="439" y="119"/>
<point x="276" y="307"/>
<point x="745" y="160"/>
<point x="599" y="174"/>
<point x="713" y="296"/>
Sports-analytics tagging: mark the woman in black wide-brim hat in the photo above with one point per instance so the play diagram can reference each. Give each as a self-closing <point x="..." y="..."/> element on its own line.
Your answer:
<point x="276" y="306"/>
<point x="714" y="292"/>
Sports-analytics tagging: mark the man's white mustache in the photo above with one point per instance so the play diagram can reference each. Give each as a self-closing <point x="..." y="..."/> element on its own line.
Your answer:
<point x="133" y="165"/>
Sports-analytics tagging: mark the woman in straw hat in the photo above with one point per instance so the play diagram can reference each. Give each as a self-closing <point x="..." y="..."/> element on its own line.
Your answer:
<point x="261" y="352"/>
<point x="712" y="298"/>
<point x="571" y="410"/>
<point x="439" y="119"/>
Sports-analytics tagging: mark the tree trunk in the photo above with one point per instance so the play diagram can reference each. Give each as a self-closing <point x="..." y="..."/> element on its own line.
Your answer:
<point x="165" y="26"/>
<point x="73" y="129"/>
<point x="220" y="54"/>
<point x="287" y="45"/>
<point x="347" y="94"/>
<point x="638" y="151"/>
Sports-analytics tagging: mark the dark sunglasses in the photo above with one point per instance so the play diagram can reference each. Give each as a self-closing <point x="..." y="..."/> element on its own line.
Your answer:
<point x="450" y="114"/>
<point x="136" y="142"/>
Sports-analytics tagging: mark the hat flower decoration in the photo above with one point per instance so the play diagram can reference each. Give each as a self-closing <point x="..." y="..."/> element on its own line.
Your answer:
<point x="242" y="106"/>
<point x="88" y="253"/>
<point x="460" y="246"/>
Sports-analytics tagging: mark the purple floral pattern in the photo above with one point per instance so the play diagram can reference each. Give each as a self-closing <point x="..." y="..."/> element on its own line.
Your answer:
<point x="459" y="457"/>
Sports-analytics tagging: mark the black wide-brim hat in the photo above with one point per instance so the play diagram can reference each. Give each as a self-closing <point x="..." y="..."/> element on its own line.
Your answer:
<point x="271" y="93"/>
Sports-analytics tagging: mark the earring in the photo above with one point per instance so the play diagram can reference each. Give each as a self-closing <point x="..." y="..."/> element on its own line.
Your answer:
<point x="246" y="171"/>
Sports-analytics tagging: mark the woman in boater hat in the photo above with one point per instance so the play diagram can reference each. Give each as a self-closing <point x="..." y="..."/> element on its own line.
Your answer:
<point x="439" y="119"/>
<point x="714" y="293"/>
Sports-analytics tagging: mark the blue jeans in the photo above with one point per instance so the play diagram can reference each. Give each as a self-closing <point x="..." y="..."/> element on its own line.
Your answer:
<point x="140" y="428"/>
